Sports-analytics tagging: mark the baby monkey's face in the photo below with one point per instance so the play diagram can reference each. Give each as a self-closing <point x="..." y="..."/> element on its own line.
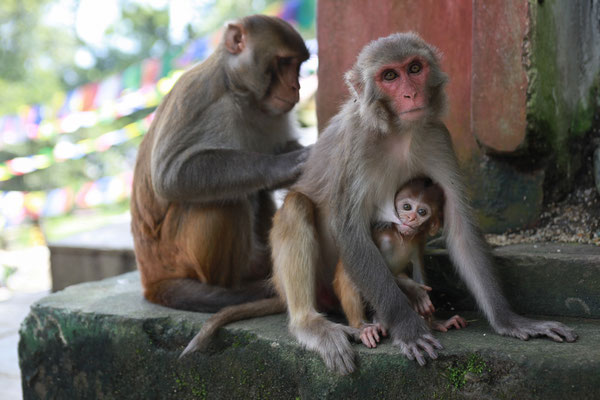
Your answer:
<point x="413" y="213"/>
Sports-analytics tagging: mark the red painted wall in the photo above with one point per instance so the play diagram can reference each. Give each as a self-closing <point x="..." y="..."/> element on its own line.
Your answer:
<point x="481" y="46"/>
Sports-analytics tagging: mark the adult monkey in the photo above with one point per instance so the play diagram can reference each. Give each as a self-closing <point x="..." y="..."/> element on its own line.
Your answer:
<point x="220" y="141"/>
<point x="387" y="133"/>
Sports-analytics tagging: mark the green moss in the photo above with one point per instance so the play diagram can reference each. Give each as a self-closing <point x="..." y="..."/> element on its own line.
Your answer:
<point x="546" y="110"/>
<point x="457" y="374"/>
<point x="585" y="110"/>
<point x="556" y="120"/>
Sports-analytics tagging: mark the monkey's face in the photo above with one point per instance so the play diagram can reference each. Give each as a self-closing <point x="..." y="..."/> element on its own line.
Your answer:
<point x="284" y="90"/>
<point x="413" y="214"/>
<point x="405" y="85"/>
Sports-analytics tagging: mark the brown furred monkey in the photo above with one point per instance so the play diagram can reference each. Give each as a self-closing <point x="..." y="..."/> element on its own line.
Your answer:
<point x="400" y="235"/>
<point x="387" y="133"/>
<point x="220" y="141"/>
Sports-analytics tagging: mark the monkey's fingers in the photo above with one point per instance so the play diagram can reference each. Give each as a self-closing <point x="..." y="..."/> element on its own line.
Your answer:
<point x="364" y="338"/>
<point x="369" y="337"/>
<point x="453" y="323"/>
<point x="566" y="332"/>
<point x="554" y="336"/>
<point x="524" y="328"/>
<point x="413" y="350"/>
<point x="439" y="327"/>
<point x="461" y="321"/>
<point x="557" y="331"/>
<point x="428" y="348"/>
<point x="375" y="334"/>
<point x="427" y="288"/>
<point x="426" y="307"/>
<point x="433" y="341"/>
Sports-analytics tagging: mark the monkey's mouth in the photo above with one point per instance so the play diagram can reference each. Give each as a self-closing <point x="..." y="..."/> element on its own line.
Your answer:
<point x="406" y="229"/>
<point x="285" y="102"/>
<point x="413" y="110"/>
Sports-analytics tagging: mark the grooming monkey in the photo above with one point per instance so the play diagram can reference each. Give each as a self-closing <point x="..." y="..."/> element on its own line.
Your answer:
<point x="401" y="234"/>
<point x="220" y="142"/>
<point x="386" y="134"/>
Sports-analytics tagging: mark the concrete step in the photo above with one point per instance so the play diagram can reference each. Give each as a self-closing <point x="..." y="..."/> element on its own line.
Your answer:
<point x="546" y="279"/>
<point x="102" y="340"/>
<point x="96" y="254"/>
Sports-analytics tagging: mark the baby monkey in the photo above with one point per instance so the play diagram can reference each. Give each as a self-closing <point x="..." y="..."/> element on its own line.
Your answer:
<point x="415" y="214"/>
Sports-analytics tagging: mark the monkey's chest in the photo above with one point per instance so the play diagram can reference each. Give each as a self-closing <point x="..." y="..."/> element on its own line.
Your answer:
<point x="398" y="258"/>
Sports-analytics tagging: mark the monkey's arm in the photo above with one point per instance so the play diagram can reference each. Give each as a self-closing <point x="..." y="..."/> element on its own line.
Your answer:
<point x="221" y="174"/>
<point x="291" y="145"/>
<point x="471" y="255"/>
<point x="418" y="271"/>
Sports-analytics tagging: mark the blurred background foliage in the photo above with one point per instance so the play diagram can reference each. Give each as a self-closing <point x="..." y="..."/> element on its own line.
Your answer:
<point x="51" y="48"/>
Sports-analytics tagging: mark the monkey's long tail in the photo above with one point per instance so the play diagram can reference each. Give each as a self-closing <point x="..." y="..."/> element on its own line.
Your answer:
<point x="259" y="308"/>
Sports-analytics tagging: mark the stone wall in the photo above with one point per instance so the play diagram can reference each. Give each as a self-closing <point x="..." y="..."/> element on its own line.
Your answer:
<point x="523" y="87"/>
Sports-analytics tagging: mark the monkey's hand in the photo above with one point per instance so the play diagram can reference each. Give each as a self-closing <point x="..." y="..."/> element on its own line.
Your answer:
<point x="288" y="167"/>
<point x="330" y="340"/>
<point x="418" y="295"/>
<point x="414" y="339"/>
<point x="369" y="334"/>
<point x="456" y="322"/>
<point x="525" y="328"/>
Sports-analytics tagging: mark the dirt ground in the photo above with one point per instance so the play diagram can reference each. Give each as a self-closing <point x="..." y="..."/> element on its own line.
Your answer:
<point x="573" y="219"/>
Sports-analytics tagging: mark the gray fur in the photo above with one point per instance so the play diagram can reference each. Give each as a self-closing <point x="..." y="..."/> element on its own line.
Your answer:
<point x="222" y="146"/>
<point x="359" y="162"/>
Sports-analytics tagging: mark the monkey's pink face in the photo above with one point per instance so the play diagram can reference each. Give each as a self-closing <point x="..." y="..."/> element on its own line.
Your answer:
<point x="405" y="84"/>
<point x="284" y="92"/>
<point x="413" y="216"/>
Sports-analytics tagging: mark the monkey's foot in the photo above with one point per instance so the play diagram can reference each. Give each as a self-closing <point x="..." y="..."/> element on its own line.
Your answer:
<point x="456" y="322"/>
<point x="413" y="349"/>
<point x="330" y="340"/>
<point x="525" y="328"/>
<point x="369" y="334"/>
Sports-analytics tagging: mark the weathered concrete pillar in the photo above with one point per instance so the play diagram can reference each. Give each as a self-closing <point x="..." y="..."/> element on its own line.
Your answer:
<point x="523" y="78"/>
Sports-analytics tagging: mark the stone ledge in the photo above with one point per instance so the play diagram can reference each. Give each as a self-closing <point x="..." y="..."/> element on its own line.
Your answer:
<point x="548" y="279"/>
<point x="103" y="340"/>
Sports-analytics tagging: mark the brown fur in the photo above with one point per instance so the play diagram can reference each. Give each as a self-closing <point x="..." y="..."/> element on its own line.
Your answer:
<point x="220" y="142"/>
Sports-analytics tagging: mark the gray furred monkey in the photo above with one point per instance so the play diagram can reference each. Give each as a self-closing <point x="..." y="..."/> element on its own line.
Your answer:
<point x="387" y="133"/>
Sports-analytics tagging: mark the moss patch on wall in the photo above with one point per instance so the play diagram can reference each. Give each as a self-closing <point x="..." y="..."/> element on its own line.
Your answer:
<point x="558" y="115"/>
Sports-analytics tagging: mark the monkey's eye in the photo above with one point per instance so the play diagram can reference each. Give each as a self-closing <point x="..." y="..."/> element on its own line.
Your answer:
<point x="415" y="68"/>
<point x="422" y="212"/>
<point x="283" y="62"/>
<point x="389" y="75"/>
<point x="406" y="207"/>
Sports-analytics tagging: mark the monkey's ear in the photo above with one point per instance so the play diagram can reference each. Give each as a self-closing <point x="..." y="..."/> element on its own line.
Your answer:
<point x="235" y="39"/>
<point x="352" y="79"/>
<point x="434" y="226"/>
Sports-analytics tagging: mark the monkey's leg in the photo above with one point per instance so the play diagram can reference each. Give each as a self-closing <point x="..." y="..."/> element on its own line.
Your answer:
<point x="215" y="248"/>
<point x="349" y="297"/>
<point x="295" y="251"/>
<point x="353" y="307"/>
